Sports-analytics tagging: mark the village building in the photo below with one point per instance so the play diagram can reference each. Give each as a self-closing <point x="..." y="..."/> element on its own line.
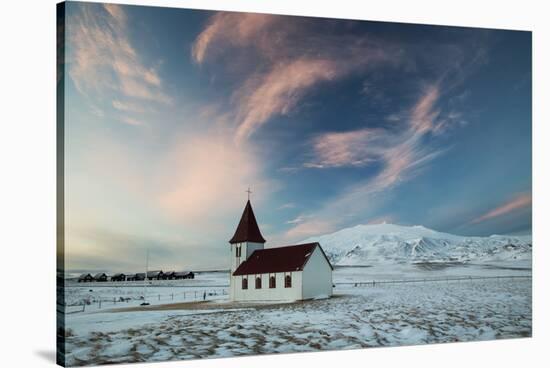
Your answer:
<point x="169" y="275"/>
<point x="85" y="277"/>
<point x="118" y="277"/>
<point x="184" y="275"/>
<point x="100" y="277"/>
<point x="154" y="275"/>
<point x="292" y="272"/>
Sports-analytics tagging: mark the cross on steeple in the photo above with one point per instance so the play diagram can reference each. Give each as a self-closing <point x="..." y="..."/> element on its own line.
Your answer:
<point x="249" y="192"/>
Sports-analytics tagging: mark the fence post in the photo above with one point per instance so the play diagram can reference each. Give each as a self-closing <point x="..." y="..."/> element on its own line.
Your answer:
<point x="99" y="303"/>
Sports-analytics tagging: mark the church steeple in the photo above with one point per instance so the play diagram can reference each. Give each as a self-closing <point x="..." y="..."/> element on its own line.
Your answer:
<point x="248" y="230"/>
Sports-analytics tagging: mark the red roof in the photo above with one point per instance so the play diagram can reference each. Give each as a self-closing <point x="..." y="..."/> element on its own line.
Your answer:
<point x="248" y="230"/>
<point x="283" y="259"/>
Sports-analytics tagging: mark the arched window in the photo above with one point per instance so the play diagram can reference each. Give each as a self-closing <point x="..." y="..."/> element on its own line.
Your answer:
<point x="272" y="284"/>
<point x="258" y="282"/>
<point x="245" y="283"/>
<point x="288" y="281"/>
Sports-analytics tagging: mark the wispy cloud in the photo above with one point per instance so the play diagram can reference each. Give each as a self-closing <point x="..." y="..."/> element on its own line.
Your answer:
<point x="293" y="62"/>
<point x="234" y="29"/>
<point x="521" y="201"/>
<point x="354" y="148"/>
<point x="399" y="153"/>
<point x="129" y="107"/>
<point x="297" y="220"/>
<point x="102" y="58"/>
<point x="278" y="91"/>
<point x="287" y="206"/>
<point x="131" y="121"/>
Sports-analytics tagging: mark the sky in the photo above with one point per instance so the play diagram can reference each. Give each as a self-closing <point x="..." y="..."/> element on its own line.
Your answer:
<point x="171" y="114"/>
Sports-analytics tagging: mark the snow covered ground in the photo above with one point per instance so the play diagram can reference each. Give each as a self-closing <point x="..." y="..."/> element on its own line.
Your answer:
<point x="356" y="317"/>
<point x="87" y="296"/>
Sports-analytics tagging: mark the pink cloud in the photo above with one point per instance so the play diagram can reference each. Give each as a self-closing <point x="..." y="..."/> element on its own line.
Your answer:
<point x="278" y="92"/>
<point x="397" y="150"/>
<point x="423" y="114"/>
<point x="354" y="148"/>
<point x="103" y="59"/>
<point x="520" y="201"/>
<point x="236" y="29"/>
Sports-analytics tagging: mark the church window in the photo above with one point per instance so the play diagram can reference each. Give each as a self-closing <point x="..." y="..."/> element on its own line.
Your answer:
<point x="245" y="283"/>
<point x="272" y="284"/>
<point x="258" y="282"/>
<point x="288" y="281"/>
<point x="238" y="251"/>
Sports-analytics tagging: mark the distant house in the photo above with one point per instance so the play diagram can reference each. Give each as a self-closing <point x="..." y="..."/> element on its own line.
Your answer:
<point x="100" y="277"/>
<point x="154" y="275"/>
<point x="118" y="277"/>
<point x="168" y="275"/>
<point x="130" y="277"/>
<point x="184" y="275"/>
<point x="85" y="277"/>
<point x="139" y="276"/>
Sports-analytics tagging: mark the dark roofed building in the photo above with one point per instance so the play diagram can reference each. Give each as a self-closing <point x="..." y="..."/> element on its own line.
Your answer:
<point x="100" y="277"/>
<point x="169" y="275"/>
<point x="85" y="277"/>
<point x="184" y="275"/>
<point x="293" y="272"/>
<point x="118" y="277"/>
<point x="154" y="275"/>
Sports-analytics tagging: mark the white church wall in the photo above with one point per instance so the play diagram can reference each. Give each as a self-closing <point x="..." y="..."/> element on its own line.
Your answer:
<point x="317" y="276"/>
<point x="279" y="293"/>
<point x="247" y="249"/>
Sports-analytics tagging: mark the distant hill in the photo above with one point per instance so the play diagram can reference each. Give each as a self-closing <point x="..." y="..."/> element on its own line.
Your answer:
<point x="389" y="243"/>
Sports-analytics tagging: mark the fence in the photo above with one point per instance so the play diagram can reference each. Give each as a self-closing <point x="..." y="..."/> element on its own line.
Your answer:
<point x="104" y="302"/>
<point x="374" y="283"/>
<point x="212" y="293"/>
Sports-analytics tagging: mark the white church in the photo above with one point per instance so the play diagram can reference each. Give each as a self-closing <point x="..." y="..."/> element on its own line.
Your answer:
<point x="292" y="272"/>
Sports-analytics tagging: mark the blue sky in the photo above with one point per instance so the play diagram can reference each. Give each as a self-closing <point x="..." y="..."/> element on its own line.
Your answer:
<point x="170" y="114"/>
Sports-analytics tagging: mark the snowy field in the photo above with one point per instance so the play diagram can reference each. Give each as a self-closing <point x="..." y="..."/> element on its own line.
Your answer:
<point x="87" y="296"/>
<point x="356" y="317"/>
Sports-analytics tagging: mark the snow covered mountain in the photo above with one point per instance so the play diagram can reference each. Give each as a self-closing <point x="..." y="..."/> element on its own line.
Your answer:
<point x="389" y="243"/>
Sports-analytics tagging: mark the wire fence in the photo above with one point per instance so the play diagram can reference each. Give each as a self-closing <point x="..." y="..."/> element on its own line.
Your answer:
<point x="374" y="283"/>
<point x="98" y="302"/>
<point x="218" y="292"/>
